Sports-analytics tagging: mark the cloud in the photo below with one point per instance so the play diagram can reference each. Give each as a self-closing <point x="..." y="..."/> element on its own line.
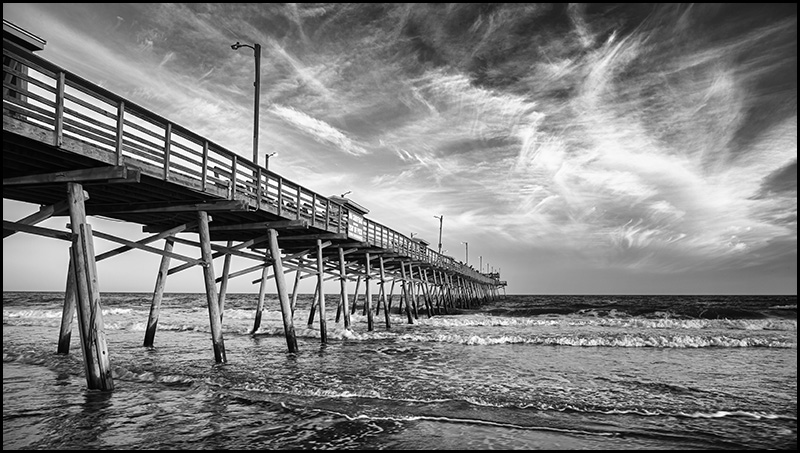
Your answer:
<point x="318" y="130"/>
<point x="646" y="138"/>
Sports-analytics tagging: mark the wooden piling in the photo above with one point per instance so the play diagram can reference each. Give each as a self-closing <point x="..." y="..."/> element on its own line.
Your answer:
<point x="313" y="309"/>
<point x="412" y="293"/>
<point x="323" y="328"/>
<point x="280" y="283"/>
<point x="427" y="293"/>
<point x="355" y="296"/>
<point x="90" y="314"/>
<point x="296" y="283"/>
<point x="262" y="294"/>
<point x="211" y="288"/>
<point x="391" y="295"/>
<point x="383" y="294"/>
<point x="68" y="312"/>
<point x="158" y="294"/>
<point x="223" y="286"/>
<point x="405" y="293"/>
<point x="368" y="302"/>
<point x="343" y="280"/>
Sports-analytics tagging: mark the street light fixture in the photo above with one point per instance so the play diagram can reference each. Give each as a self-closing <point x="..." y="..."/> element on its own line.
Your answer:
<point x="266" y="159"/>
<point x="441" y="219"/>
<point x="257" y="51"/>
<point x="466" y="257"/>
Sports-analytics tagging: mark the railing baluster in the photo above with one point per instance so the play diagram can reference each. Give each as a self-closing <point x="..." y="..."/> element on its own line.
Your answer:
<point x="313" y="209"/>
<point x="341" y="214"/>
<point x="205" y="166"/>
<point x="120" y="123"/>
<point x="58" y="136"/>
<point x="234" y="163"/>
<point x="167" y="141"/>
<point x="280" y="195"/>
<point x="258" y="188"/>
<point x="327" y="214"/>
<point x="298" y="202"/>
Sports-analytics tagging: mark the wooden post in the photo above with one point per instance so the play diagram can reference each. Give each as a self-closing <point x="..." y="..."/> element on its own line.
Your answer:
<point x="339" y="306"/>
<point x="211" y="288"/>
<point x="262" y="292"/>
<point x="323" y="328"/>
<point x="443" y="293"/>
<point x="343" y="279"/>
<point x="391" y="294"/>
<point x="412" y="293"/>
<point x="280" y="283"/>
<point x="451" y="291"/>
<point x="58" y="134"/>
<point x="355" y="296"/>
<point x="313" y="309"/>
<point x="383" y="294"/>
<point x="90" y="314"/>
<point x="405" y="293"/>
<point x="427" y="293"/>
<point x="68" y="313"/>
<point x="458" y="291"/>
<point x="120" y="125"/>
<point x="296" y="283"/>
<point x="158" y="294"/>
<point x="368" y="302"/>
<point x="223" y="285"/>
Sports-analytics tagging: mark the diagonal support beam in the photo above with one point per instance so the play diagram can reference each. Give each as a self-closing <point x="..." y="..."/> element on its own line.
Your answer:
<point x="39" y="231"/>
<point x="147" y="240"/>
<point x="146" y="248"/>
<point x="247" y="270"/>
<point x="221" y="250"/>
<point x="44" y="213"/>
<point x="232" y="250"/>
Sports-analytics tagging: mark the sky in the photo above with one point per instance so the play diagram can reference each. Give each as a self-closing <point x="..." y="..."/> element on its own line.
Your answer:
<point x="574" y="148"/>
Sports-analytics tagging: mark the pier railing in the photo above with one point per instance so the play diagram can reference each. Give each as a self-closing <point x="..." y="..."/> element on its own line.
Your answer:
<point x="67" y="105"/>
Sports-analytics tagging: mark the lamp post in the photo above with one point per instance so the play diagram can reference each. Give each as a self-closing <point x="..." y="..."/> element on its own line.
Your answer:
<point x="441" y="219"/>
<point x="466" y="256"/>
<point x="266" y="159"/>
<point x="257" y="51"/>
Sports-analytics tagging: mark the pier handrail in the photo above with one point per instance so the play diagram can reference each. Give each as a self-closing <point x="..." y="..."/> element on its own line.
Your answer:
<point x="71" y="106"/>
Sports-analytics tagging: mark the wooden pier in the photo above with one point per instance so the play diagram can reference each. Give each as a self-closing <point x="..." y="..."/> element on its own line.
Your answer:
<point x="78" y="150"/>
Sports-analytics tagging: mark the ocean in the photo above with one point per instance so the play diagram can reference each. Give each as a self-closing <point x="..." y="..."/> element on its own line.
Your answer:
<point x="519" y="372"/>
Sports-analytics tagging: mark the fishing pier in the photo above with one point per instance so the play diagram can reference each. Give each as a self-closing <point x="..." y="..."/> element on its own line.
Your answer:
<point x="78" y="150"/>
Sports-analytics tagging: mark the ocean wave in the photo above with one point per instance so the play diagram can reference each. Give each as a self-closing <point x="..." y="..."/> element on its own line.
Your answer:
<point x="735" y="414"/>
<point x="625" y="341"/>
<point x="647" y="412"/>
<point x="627" y="322"/>
<point x="303" y="391"/>
<point x="31" y="314"/>
<point x="125" y="374"/>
